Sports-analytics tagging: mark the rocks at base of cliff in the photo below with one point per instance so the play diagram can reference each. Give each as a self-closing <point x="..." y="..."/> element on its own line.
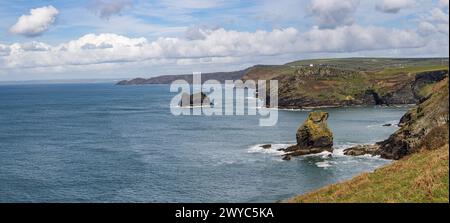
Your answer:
<point x="360" y="150"/>
<point x="197" y="99"/>
<point x="423" y="127"/>
<point x="313" y="137"/>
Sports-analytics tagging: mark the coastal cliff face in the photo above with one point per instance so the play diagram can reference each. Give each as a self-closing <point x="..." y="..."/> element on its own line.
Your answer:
<point x="330" y="86"/>
<point x="423" y="127"/>
<point x="352" y="81"/>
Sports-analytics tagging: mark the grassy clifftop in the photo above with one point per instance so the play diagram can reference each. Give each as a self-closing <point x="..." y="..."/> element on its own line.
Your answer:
<point x="352" y="81"/>
<point x="421" y="177"/>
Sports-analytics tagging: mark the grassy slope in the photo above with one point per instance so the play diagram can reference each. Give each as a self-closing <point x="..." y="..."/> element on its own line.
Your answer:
<point x="421" y="177"/>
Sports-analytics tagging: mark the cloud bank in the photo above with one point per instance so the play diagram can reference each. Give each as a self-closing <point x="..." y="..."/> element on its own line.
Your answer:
<point x="393" y="6"/>
<point x="218" y="43"/>
<point x="36" y="23"/>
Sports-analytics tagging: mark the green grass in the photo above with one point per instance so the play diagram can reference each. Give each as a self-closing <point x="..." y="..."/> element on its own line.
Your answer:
<point x="420" y="178"/>
<point x="374" y="64"/>
<point x="410" y="69"/>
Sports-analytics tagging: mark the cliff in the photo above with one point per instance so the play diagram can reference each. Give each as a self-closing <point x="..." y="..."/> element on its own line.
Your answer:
<point x="355" y="81"/>
<point x="423" y="127"/>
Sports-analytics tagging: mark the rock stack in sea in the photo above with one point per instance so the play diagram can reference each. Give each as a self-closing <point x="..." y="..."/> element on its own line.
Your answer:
<point x="197" y="99"/>
<point x="313" y="136"/>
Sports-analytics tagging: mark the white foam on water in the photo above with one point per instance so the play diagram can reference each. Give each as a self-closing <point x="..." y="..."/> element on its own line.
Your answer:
<point x="338" y="150"/>
<point x="294" y="109"/>
<point x="324" y="154"/>
<point x="324" y="164"/>
<point x="274" y="149"/>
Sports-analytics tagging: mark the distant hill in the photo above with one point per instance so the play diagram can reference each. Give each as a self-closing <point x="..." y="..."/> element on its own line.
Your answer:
<point x="167" y="79"/>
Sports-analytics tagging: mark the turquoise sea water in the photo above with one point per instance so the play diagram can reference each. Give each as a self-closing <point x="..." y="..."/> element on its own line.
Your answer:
<point x="106" y="143"/>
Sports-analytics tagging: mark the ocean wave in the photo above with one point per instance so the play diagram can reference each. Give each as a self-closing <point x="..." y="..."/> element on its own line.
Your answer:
<point x="274" y="149"/>
<point x="293" y="109"/>
<point x="323" y="164"/>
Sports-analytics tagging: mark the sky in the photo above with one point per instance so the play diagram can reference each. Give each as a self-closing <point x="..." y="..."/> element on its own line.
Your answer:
<point x="116" y="39"/>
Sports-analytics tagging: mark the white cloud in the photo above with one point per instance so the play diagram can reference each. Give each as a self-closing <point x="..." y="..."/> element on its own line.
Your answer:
<point x="107" y="8"/>
<point x="437" y="21"/>
<point x="333" y="13"/>
<point x="220" y="43"/>
<point x="4" y="50"/>
<point x="30" y="46"/>
<point x="37" y="22"/>
<point x="357" y="38"/>
<point x="393" y="6"/>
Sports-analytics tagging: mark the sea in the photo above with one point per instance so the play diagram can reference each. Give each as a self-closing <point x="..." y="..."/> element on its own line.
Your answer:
<point x="105" y="143"/>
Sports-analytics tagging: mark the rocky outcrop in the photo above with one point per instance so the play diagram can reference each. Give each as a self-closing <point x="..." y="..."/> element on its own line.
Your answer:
<point x="313" y="136"/>
<point x="197" y="99"/>
<point x="362" y="150"/>
<point x="423" y="127"/>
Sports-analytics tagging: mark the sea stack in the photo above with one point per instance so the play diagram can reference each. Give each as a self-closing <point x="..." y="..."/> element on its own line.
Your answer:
<point x="197" y="99"/>
<point x="313" y="136"/>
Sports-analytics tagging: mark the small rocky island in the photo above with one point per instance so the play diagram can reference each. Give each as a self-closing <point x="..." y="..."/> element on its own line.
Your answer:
<point x="197" y="99"/>
<point x="313" y="137"/>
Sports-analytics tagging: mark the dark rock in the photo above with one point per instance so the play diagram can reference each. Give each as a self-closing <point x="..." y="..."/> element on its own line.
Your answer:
<point x="423" y="127"/>
<point x="362" y="150"/>
<point x="197" y="99"/>
<point x="267" y="146"/>
<point x="314" y="133"/>
<point x="313" y="136"/>
<point x="387" y="125"/>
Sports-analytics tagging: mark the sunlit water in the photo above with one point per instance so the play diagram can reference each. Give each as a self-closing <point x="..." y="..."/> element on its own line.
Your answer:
<point x="106" y="143"/>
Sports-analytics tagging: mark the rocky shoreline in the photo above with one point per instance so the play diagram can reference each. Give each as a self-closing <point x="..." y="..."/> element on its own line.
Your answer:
<point x="424" y="126"/>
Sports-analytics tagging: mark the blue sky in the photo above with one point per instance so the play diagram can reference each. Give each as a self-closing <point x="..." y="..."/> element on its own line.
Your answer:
<point x="95" y="39"/>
